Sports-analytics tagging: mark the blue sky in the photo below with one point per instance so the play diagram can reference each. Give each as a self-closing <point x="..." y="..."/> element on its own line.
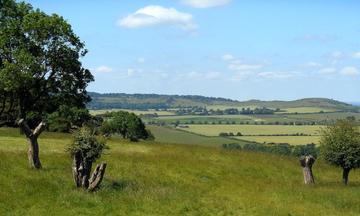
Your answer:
<point x="239" y="49"/>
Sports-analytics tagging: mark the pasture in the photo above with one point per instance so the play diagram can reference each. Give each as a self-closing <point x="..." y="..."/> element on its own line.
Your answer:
<point x="147" y="178"/>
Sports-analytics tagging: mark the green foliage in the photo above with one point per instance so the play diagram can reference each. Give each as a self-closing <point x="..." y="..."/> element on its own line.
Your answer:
<point x="67" y="117"/>
<point x="340" y="144"/>
<point x="128" y="125"/>
<point x="87" y="144"/>
<point x="39" y="62"/>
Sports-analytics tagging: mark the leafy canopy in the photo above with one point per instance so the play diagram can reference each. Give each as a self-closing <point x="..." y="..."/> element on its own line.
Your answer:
<point x="87" y="144"/>
<point x="340" y="144"/>
<point x="126" y="124"/>
<point x="40" y="64"/>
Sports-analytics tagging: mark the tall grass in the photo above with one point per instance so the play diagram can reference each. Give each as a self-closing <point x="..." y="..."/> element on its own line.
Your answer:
<point x="159" y="179"/>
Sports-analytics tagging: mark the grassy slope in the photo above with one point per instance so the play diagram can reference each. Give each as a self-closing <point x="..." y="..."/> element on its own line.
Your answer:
<point x="158" y="179"/>
<point x="168" y="135"/>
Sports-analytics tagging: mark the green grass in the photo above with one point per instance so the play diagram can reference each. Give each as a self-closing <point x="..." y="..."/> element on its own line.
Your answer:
<point x="170" y="135"/>
<point x="308" y="110"/>
<point x="160" y="179"/>
<point x="214" y="130"/>
<point x="292" y="140"/>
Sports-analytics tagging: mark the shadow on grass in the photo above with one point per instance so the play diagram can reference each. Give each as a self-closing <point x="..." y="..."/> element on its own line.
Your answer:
<point x="118" y="185"/>
<point x="338" y="184"/>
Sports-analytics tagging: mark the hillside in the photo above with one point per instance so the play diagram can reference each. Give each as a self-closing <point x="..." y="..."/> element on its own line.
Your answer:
<point x="160" y="179"/>
<point x="154" y="101"/>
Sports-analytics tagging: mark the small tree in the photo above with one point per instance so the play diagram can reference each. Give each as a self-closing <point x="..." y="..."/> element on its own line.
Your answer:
<point x="86" y="149"/>
<point x="128" y="125"/>
<point x="340" y="146"/>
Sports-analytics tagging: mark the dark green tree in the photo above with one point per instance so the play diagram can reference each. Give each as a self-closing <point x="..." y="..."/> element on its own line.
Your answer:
<point x="40" y="68"/>
<point x="340" y="146"/>
<point x="126" y="124"/>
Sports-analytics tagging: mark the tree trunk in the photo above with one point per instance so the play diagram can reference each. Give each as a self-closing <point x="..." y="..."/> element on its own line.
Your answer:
<point x="307" y="162"/>
<point x="32" y="136"/>
<point x="346" y="175"/>
<point x="77" y="170"/>
<point x="82" y="170"/>
<point x="97" y="176"/>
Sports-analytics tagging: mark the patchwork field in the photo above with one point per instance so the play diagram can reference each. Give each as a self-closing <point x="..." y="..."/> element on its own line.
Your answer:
<point x="292" y="140"/>
<point x="308" y="110"/>
<point x="171" y="135"/>
<point x="215" y="130"/>
<point x="148" y="178"/>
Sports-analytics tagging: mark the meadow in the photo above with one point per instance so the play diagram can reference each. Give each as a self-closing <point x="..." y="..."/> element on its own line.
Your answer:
<point x="151" y="178"/>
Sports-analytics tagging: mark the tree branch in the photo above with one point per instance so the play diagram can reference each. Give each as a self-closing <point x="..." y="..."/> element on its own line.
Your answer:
<point x="25" y="128"/>
<point x="40" y="128"/>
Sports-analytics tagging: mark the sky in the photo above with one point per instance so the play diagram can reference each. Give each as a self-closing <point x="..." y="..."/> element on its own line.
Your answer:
<point x="238" y="49"/>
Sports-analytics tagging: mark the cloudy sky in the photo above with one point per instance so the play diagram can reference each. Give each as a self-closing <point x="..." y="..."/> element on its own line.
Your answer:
<point x="239" y="49"/>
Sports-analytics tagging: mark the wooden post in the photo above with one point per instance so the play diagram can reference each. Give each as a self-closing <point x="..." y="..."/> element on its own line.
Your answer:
<point x="32" y="136"/>
<point x="306" y="162"/>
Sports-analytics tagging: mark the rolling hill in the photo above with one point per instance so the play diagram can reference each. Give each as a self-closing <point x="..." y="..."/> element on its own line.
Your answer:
<point x="155" y="101"/>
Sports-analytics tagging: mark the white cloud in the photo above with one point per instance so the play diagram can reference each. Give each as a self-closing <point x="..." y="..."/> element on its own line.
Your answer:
<point x="228" y="57"/>
<point x="327" y="70"/>
<point x="131" y="72"/>
<point x="350" y="71"/>
<point x="236" y="64"/>
<point x="154" y="15"/>
<point x="276" y="75"/>
<point x="337" y="55"/>
<point x="206" y="3"/>
<point x="244" y="67"/>
<point x="199" y="75"/>
<point x="312" y="64"/>
<point x="103" y="69"/>
<point x="356" y="55"/>
<point x="141" y="60"/>
<point x="212" y="75"/>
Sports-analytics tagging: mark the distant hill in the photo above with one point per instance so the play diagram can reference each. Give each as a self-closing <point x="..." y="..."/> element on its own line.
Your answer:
<point x="157" y="101"/>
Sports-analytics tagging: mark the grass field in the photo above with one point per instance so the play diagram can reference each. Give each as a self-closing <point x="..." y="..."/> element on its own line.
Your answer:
<point x="168" y="135"/>
<point x="307" y="110"/>
<point x="214" y="130"/>
<point x="158" y="179"/>
<point x="292" y="140"/>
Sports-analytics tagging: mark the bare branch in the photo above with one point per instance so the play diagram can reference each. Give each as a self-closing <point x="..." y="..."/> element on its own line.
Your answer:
<point x="40" y="128"/>
<point x="25" y="128"/>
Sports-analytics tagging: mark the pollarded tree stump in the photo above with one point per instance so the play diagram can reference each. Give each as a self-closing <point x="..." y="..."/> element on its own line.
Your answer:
<point x="306" y="162"/>
<point x="82" y="170"/>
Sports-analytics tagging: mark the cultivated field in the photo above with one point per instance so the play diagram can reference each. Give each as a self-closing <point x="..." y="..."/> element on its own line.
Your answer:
<point x="308" y="110"/>
<point x="171" y="135"/>
<point x="148" y="178"/>
<point x="215" y="130"/>
<point x="292" y="140"/>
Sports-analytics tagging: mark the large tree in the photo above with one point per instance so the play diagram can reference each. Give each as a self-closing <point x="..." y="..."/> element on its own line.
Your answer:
<point x="340" y="146"/>
<point x="40" y="68"/>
